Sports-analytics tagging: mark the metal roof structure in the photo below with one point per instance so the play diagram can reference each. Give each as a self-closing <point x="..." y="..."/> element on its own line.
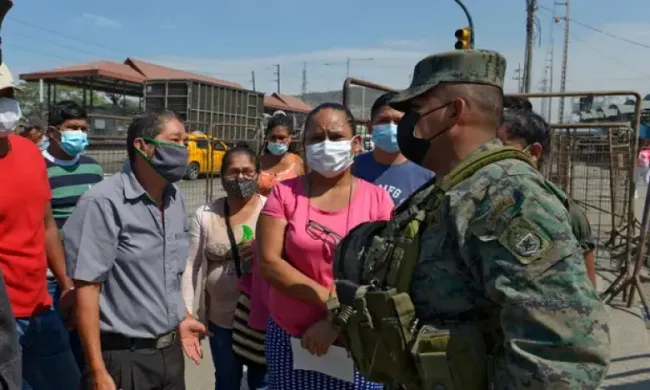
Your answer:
<point x="114" y="77"/>
<point x="286" y="103"/>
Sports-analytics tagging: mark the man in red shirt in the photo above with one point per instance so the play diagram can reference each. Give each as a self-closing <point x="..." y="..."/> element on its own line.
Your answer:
<point x="29" y="243"/>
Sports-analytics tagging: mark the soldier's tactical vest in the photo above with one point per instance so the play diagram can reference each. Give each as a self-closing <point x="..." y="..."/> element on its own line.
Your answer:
<point x="373" y="267"/>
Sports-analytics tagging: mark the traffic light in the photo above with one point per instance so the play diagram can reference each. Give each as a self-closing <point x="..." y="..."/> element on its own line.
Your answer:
<point x="463" y="38"/>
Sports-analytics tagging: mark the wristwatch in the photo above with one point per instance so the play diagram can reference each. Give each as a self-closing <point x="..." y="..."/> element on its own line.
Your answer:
<point x="333" y="303"/>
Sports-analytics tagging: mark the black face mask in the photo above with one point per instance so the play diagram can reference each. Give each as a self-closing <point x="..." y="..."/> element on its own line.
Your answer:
<point x="412" y="147"/>
<point x="240" y="188"/>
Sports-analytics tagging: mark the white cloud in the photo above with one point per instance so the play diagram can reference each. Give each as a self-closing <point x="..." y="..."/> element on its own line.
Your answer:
<point x="596" y="62"/>
<point x="167" y="26"/>
<point x="101" y="21"/>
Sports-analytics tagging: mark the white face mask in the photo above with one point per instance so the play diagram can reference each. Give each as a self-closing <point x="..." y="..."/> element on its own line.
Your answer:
<point x="9" y="115"/>
<point x="330" y="158"/>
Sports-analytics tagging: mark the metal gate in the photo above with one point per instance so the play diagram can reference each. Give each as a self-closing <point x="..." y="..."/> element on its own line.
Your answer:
<point x="594" y="163"/>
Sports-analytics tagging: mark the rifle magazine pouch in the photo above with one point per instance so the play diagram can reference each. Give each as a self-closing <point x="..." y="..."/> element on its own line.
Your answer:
<point x="378" y="336"/>
<point x="450" y="359"/>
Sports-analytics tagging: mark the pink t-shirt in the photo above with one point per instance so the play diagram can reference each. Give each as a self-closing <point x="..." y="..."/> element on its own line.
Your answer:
<point x="310" y="250"/>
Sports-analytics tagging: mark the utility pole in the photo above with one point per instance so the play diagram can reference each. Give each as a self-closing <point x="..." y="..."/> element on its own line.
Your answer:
<point x="253" y="79"/>
<point x="550" y="65"/>
<point x="363" y="102"/>
<point x="565" y="57"/>
<point x="304" y="78"/>
<point x="277" y="77"/>
<point x="544" y="89"/>
<point x="519" y="79"/>
<point x="531" y="6"/>
<point x="347" y="65"/>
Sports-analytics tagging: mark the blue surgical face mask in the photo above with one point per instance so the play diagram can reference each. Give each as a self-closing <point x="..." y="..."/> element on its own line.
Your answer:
<point x="73" y="142"/>
<point x="384" y="137"/>
<point x="277" y="148"/>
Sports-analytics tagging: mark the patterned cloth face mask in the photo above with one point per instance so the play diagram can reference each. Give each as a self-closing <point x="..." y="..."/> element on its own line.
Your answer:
<point x="240" y="188"/>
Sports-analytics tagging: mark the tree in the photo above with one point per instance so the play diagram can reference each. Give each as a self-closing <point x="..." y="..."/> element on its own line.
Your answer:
<point x="30" y="104"/>
<point x="29" y="99"/>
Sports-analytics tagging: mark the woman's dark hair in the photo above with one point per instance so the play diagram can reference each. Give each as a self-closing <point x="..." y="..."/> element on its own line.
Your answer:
<point x="517" y="103"/>
<point x="332" y="106"/>
<point x="381" y="101"/>
<point x="280" y="120"/>
<point x="528" y="126"/>
<point x="225" y="163"/>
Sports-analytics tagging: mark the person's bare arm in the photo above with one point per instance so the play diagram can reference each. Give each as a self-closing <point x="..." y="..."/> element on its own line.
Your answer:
<point x="277" y="271"/>
<point x="54" y="250"/>
<point x="300" y="166"/>
<point x="590" y="263"/>
<point x="87" y="318"/>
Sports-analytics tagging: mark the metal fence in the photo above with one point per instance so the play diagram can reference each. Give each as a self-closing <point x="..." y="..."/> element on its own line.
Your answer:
<point x="593" y="166"/>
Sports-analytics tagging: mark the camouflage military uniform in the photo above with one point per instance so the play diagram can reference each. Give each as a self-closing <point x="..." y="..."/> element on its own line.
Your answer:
<point x="502" y="244"/>
<point x="580" y="226"/>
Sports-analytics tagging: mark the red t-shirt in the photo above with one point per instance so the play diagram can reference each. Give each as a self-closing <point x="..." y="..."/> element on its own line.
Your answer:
<point x="24" y="195"/>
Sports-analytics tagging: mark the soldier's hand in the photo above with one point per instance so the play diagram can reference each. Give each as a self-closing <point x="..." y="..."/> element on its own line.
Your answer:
<point x="319" y="337"/>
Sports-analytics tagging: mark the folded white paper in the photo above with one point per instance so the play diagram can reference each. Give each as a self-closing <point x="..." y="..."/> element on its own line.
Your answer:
<point x="336" y="363"/>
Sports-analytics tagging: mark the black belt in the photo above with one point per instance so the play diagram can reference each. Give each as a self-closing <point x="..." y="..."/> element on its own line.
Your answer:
<point x="115" y="341"/>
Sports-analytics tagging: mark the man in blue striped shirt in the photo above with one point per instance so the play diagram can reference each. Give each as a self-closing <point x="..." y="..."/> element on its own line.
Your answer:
<point x="70" y="174"/>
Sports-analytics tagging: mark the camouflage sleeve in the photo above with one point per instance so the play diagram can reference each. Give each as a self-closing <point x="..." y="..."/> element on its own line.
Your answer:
<point x="554" y="324"/>
<point x="581" y="227"/>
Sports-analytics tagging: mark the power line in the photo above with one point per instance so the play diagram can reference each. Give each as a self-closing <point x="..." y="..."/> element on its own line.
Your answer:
<point x="76" y="49"/>
<point x="600" y="31"/>
<point x="49" y="55"/>
<point x="610" y="57"/>
<point x="604" y="54"/>
<point x="71" y="37"/>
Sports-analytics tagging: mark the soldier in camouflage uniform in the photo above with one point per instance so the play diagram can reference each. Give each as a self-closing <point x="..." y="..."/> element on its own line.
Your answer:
<point x="501" y="243"/>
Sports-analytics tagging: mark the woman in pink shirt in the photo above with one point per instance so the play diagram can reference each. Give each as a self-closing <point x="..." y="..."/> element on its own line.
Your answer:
<point x="302" y="222"/>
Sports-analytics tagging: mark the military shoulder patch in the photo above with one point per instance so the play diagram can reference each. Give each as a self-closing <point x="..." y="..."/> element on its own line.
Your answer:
<point x="524" y="240"/>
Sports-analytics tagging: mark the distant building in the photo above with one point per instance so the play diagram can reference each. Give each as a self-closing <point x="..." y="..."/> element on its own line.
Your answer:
<point x="615" y="113"/>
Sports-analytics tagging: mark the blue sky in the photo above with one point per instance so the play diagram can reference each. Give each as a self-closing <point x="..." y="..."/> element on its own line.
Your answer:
<point x="230" y="38"/>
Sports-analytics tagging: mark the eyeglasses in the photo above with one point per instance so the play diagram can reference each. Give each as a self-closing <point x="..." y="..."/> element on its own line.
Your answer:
<point x="235" y="175"/>
<point x="319" y="232"/>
